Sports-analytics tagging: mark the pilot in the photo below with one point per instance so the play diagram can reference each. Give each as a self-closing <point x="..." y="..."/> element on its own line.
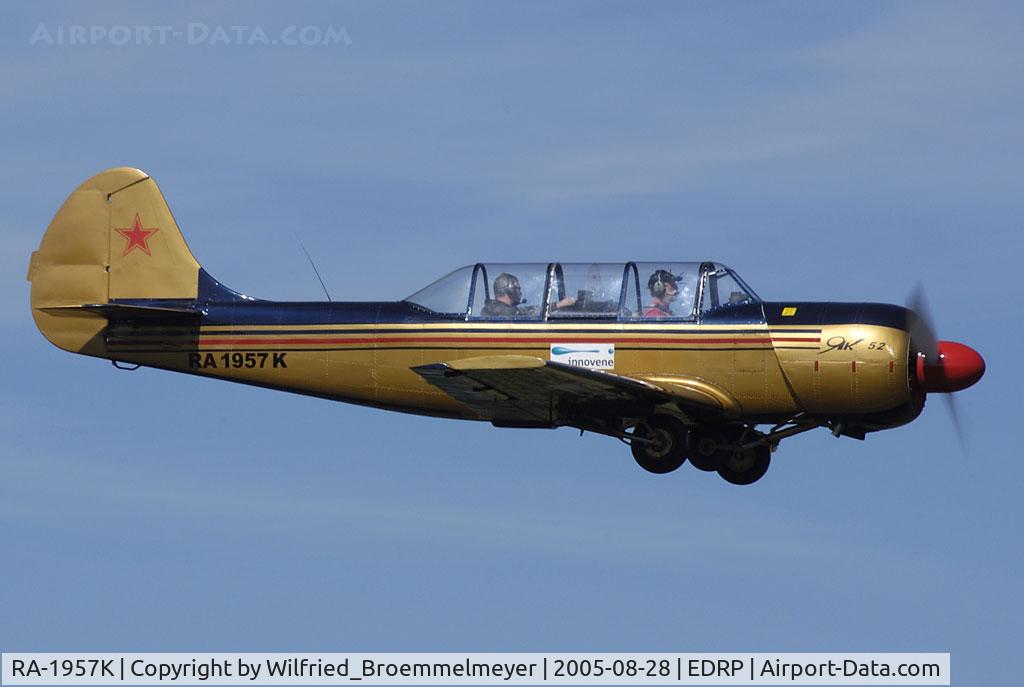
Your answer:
<point x="664" y="289"/>
<point x="508" y="295"/>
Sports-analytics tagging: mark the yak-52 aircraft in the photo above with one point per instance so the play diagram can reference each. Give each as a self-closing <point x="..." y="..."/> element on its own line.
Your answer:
<point x="680" y="360"/>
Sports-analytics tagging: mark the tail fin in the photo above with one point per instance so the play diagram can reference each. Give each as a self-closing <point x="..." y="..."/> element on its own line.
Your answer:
<point x="113" y="238"/>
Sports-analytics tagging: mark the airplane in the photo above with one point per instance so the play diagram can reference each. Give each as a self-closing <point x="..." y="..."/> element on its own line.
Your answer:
<point x="679" y="360"/>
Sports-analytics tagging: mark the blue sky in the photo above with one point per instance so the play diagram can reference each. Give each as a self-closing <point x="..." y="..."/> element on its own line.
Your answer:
<point x="825" y="151"/>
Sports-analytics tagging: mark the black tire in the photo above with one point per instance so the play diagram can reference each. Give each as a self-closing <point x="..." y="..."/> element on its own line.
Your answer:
<point x="704" y="452"/>
<point x="668" y="450"/>
<point x="745" y="466"/>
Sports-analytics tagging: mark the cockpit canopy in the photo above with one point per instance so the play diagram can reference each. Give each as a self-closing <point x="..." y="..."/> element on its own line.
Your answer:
<point x="591" y="291"/>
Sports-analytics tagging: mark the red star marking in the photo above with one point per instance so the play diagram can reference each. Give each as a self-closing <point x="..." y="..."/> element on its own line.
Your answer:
<point x="137" y="236"/>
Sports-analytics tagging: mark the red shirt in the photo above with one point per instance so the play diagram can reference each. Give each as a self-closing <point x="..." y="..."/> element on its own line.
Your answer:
<point x="658" y="308"/>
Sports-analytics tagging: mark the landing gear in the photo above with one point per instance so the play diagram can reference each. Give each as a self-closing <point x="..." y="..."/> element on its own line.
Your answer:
<point x="745" y="465"/>
<point x="739" y="453"/>
<point x="726" y="450"/>
<point x="659" y="444"/>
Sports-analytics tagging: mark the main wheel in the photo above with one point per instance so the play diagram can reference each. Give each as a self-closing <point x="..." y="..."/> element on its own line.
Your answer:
<point x="666" y="449"/>
<point x="705" y="453"/>
<point x="745" y="465"/>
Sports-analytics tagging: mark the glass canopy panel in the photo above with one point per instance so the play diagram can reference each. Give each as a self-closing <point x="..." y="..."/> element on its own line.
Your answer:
<point x="508" y="291"/>
<point x="516" y="291"/>
<point x="580" y="290"/>
<point x="668" y="290"/>
<point x="723" y="289"/>
<point x="746" y="287"/>
<point x="449" y="295"/>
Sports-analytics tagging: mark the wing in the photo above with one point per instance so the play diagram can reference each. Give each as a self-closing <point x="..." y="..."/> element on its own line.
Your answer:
<point x="514" y="390"/>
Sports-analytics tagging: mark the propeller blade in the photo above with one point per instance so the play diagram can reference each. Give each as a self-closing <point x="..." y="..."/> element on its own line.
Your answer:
<point x="922" y="331"/>
<point x="954" y="417"/>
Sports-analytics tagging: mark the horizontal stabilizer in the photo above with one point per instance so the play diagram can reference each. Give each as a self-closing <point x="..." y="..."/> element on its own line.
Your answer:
<point x="121" y="311"/>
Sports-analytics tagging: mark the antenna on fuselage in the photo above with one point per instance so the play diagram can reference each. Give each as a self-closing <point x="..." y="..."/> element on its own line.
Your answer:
<point x="313" y="265"/>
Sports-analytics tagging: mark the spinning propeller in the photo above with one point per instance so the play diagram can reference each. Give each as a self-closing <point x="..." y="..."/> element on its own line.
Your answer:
<point x="941" y="367"/>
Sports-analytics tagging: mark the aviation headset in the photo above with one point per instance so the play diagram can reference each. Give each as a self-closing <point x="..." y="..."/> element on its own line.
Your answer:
<point x="507" y="284"/>
<point x="657" y="284"/>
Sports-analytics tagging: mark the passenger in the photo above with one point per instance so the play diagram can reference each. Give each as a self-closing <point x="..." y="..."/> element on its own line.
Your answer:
<point x="664" y="290"/>
<point x="508" y="295"/>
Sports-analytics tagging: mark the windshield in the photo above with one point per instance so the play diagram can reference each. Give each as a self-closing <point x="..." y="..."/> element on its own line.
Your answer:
<point x="724" y="289"/>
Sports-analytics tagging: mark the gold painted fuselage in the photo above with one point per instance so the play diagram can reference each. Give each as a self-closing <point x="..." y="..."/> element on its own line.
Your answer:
<point x="772" y="372"/>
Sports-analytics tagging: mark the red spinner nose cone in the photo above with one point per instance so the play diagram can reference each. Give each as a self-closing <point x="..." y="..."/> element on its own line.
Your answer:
<point x="958" y="367"/>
